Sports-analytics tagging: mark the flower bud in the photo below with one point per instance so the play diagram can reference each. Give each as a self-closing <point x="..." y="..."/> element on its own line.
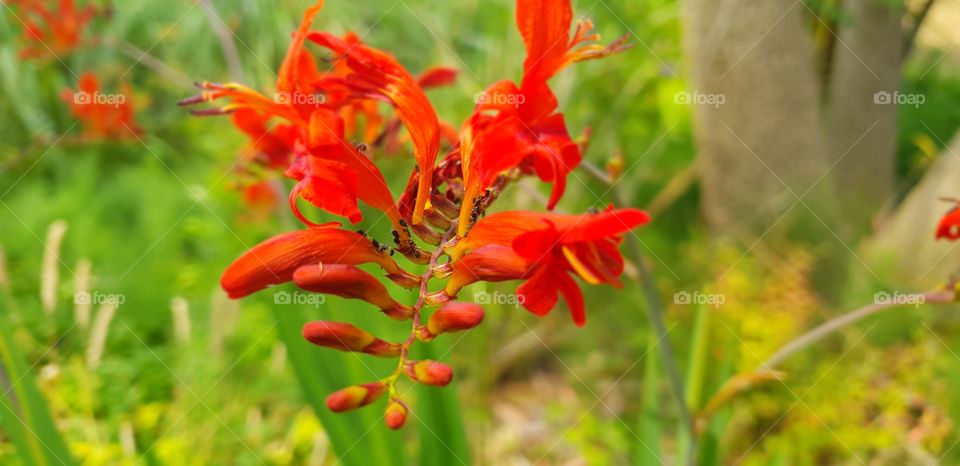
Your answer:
<point x="427" y="234"/>
<point x="396" y="414"/>
<point x="436" y="220"/>
<point x="615" y="166"/>
<point x="429" y="372"/>
<point x="348" y="281"/>
<point x="444" y="205"/>
<point x="454" y="317"/>
<point x="346" y="337"/>
<point x="355" y="396"/>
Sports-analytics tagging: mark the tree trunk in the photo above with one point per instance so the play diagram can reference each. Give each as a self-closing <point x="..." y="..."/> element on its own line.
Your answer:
<point x="862" y="114"/>
<point x="766" y="133"/>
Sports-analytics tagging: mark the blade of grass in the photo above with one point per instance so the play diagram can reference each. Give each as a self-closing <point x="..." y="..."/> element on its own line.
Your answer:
<point x="696" y="374"/>
<point x="24" y="414"/>
<point x="648" y="452"/>
<point x="358" y="438"/>
<point x="443" y="439"/>
<point x="709" y="453"/>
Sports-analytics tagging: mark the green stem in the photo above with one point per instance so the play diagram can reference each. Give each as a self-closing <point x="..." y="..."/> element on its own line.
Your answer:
<point x="655" y="306"/>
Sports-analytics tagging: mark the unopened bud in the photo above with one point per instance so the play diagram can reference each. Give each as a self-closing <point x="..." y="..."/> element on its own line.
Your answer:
<point x="454" y="317"/>
<point x="355" y="396"/>
<point x="348" y="281"/>
<point x="436" y="220"/>
<point x="615" y="166"/>
<point x="346" y="337"/>
<point x="429" y="372"/>
<point x="444" y="205"/>
<point x="396" y="414"/>
<point x="427" y="234"/>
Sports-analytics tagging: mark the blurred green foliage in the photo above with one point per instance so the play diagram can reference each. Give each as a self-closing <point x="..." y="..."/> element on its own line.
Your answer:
<point x="160" y="218"/>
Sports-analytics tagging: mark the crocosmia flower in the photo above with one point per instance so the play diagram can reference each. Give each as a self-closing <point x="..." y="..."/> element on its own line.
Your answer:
<point x="545" y="251"/>
<point x="103" y="114"/>
<point x="51" y="28"/>
<point x="324" y="129"/>
<point x="949" y="227"/>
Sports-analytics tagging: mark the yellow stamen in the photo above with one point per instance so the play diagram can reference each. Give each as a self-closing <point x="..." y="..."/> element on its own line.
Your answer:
<point x="580" y="268"/>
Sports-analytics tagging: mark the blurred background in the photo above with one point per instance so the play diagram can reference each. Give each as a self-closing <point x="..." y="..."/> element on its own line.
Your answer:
<point x="791" y="153"/>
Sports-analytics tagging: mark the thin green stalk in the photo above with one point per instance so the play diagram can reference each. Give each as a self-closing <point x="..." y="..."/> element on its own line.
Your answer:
<point x="655" y="314"/>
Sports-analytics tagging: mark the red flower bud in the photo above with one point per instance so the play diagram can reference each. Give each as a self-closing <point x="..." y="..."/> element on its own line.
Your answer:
<point x="429" y="372"/>
<point x="346" y="337"/>
<point x="454" y="317"/>
<point x="396" y="414"/>
<point x="355" y="396"/>
<point x="347" y="281"/>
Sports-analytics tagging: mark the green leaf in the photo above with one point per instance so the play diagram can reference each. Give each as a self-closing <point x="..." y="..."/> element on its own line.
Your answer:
<point x="360" y="437"/>
<point x="443" y="439"/>
<point x="647" y="450"/>
<point x="24" y="414"/>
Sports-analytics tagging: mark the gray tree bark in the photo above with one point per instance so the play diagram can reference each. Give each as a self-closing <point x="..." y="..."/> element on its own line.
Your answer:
<point x="763" y="147"/>
<point x="861" y="113"/>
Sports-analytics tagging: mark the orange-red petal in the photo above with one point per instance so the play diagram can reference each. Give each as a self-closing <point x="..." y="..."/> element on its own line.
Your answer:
<point x="275" y="260"/>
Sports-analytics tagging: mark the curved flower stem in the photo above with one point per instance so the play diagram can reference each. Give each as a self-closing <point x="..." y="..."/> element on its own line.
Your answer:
<point x="766" y="371"/>
<point x="837" y="323"/>
<point x="655" y="315"/>
<point x="391" y="380"/>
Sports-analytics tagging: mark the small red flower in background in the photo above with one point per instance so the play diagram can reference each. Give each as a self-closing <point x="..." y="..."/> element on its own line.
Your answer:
<point x="514" y="130"/>
<point x="949" y="227"/>
<point x="103" y="115"/>
<point x="51" y="29"/>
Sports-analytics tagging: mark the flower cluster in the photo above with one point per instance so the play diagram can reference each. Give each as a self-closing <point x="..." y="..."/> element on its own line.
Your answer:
<point x="104" y="115"/>
<point x="51" y="31"/>
<point x="439" y="220"/>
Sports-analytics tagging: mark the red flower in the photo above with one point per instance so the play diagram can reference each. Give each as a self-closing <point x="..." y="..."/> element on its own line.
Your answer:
<point x="319" y="110"/>
<point x="270" y="147"/>
<point x="543" y="249"/>
<point x="104" y="115"/>
<point x="527" y="113"/>
<point x="949" y="227"/>
<point x="514" y="130"/>
<point x="52" y="32"/>
<point x="378" y="75"/>
<point x="275" y="260"/>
